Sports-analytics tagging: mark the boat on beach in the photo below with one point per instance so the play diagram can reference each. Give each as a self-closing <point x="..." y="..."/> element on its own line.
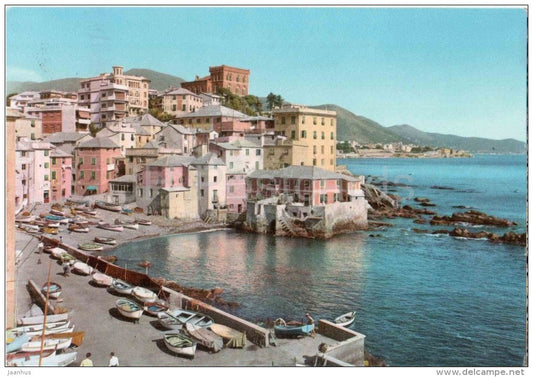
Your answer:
<point x="283" y="329"/>
<point x="122" y="287"/>
<point x="57" y="212"/>
<point x="54" y="290"/>
<point x="15" y="343"/>
<point x="144" y="295"/>
<point x="49" y="344"/>
<point x="144" y="222"/>
<point x="53" y="360"/>
<point x="112" y="227"/>
<point x="51" y="328"/>
<point x="205" y="337"/>
<point x="78" y="228"/>
<point x="345" y="320"/>
<point x="176" y="318"/>
<point x="82" y="268"/>
<point x="105" y="240"/>
<point x="57" y="252"/>
<point x="108" y="206"/>
<point x="90" y="246"/>
<point x="49" y="230"/>
<point x="101" y="279"/>
<point x="39" y="319"/>
<point x="154" y="307"/>
<point x="180" y="344"/>
<point x="129" y="308"/>
<point x="127" y="224"/>
<point x="55" y="218"/>
<point x="232" y="337"/>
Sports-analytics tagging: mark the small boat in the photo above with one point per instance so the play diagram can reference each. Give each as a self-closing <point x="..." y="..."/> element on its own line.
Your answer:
<point x="57" y="252"/>
<point x="49" y="224"/>
<point x="29" y="227"/>
<point x="80" y="221"/>
<point x="143" y="294"/>
<point x="88" y="211"/>
<point x="55" y="217"/>
<point x="112" y="227"/>
<point x="49" y="344"/>
<point x="54" y="360"/>
<point x="108" y="258"/>
<point x="144" y="264"/>
<point x="12" y="359"/>
<point x="13" y="344"/>
<point x="180" y="344"/>
<point x="129" y="308"/>
<point x="102" y="279"/>
<point x="56" y="212"/>
<point x="154" y="307"/>
<point x="82" y="268"/>
<point x="345" y="320"/>
<point x="51" y="328"/>
<point x="78" y="228"/>
<point x="84" y="203"/>
<point x="39" y="319"/>
<point x="127" y="224"/>
<point x="144" y="222"/>
<point x="107" y="206"/>
<point x="54" y="291"/>
<point x="50" y="230"/>
<point x="90" y="246"/>
<point x="122" y="287"/>
<point x="232" y="337"/>
<point x="283" y="329"/>
<point x="105" y="240"/>
<point x="127" y="211"/>
<point x="25" y="219"/>
<point x="176" y="318"/>
<point x="205" y="337"/>
<point x="67" y="258"/>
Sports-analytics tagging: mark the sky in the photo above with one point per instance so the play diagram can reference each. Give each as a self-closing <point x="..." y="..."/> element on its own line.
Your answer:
<point x="451" y="70"/>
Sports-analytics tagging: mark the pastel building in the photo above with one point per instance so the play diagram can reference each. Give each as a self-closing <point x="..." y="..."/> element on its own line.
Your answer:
<point x="223" y="76"/>
<point x="223" y="120"/>
<point x="113" y="96"/>
<point x="60" y="174"/>
<point x="20" y="101"/>
<point x="310" y="133"/>
<point x="120" y="133"/>
<point x="67" y="141"/>
<point x="211" y="183"/>
<point x="178" y="101"/>
<point x="32" y="172"/>
<point x="95" y="165"/>
<point x="28" y="127"/>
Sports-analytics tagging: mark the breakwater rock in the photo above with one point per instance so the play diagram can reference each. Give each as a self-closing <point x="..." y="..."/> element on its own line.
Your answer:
<point x="471" y="217"/>
<point x="508" y="238"/>
<point x="378" y="199"/>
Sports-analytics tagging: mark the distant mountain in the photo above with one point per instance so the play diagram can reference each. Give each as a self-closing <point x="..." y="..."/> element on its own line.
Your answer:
<point x="470" y="144"/>
<point x="159" y="81"/>
<point x="359" y="128"/>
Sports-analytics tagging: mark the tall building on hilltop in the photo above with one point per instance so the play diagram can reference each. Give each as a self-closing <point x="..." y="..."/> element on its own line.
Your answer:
<point x="113" y="96"/>
<point x="222" y="76"/>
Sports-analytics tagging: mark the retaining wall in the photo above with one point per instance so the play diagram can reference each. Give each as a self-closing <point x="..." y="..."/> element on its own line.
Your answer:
<point x="351" y="348"/>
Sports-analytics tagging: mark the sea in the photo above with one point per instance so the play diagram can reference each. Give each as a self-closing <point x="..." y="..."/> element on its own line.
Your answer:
<point x="421" y="299"/>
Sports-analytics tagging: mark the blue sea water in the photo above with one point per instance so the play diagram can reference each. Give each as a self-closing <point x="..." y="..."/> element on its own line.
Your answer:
<point x="421" y="300"/>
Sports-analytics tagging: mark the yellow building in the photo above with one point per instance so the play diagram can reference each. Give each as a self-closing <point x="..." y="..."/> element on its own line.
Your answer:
<point x="284" y="153"/>
<point x="312" y="134"/>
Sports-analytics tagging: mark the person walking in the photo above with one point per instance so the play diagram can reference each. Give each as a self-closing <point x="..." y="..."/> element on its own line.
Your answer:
<point x="40" y="247"/>
<point x="87" y="362"/>
<point x="311" y="321"/>
<point x="66" y="268"/>
<point x="113" y="360"/>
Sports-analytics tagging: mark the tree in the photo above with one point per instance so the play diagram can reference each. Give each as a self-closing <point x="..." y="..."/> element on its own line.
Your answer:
<point x="93" y="129"/>
<point x="160" y="115"/>
<point x="8" y="101"/>
<point x="274" y="100"/>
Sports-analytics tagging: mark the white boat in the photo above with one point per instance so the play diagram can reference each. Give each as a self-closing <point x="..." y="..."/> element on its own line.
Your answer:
<point x="39" y="319"/>
<point x="176" y="318"/>
<point x="102" y="279"/>
<point x="127" y="224"/>
<point x="51" y="328"/>
<point x="129" y="308"/>
<point x="54" y="360"/>
<point x="57" y="252"/>
<point x="143" y="294"/>
<point x="345" y="320"/>
<point x="112" y="227"/>
<point x="122" y="287"/>
<point x="82" y="268"/>
<point x="205" y="337"/>
<point x="49" y="344"/>
<point x="54" y="291"/>
<point x="180" y="344"/>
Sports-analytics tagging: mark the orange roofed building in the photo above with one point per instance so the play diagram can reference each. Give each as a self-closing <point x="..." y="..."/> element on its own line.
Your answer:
<point x="222" y="76"/>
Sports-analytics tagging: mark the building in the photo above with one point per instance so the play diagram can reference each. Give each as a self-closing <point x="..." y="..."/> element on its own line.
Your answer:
<point x="60" y="174"/>
<point x="178" y="101"/>
<point x="20" y="101"/>
<point x="28" y="127"/>
<point x="95" y="166"/>
<point x="113" y="96"/>
<point x="122" y="190"/>
<point x="121" y="133"/>
<point x="223" y="120"/>
<point x="223" y="76"/>
<point x="314" y="129"/>
<point x="67" y="141"/>
<point x="32" y="172"/>
<point x="211" y="183"/>
<point x="304" y="201"/>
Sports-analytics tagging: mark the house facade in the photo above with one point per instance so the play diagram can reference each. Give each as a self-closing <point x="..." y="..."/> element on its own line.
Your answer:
<point x="215" y="117"/>
<point x="211" y="183"/>
<point x="32" y="168"/>
<point x="178" y="101"/>
<point x="95" y="166"/>
<point x="60" y="174"/>
<point x="223" y="76"/>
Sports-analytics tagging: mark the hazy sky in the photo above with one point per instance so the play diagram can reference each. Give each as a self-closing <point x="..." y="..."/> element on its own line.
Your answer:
<point x="448" y="70"/>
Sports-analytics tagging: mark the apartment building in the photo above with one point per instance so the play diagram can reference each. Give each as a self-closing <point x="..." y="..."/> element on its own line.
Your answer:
<point x="113" y="96"/>
<point x="32" y="172"/>
<point x="312" y="131"/>
<point x="178" y="101"/>
<point x="222" y="76"/>
<point x="222" y="119"/>
<point x="60" y="174"/>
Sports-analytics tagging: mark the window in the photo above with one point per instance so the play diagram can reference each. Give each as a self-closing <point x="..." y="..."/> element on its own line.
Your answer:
<point x="46" y="177"/>
<point x="93" y="161"/>
<point x="314" y="149"/>
<point x="122" y="137"/>
<point x="323" y="136"/>
<point x="46" y="165"/>
<point x="322" y="121"/>
<point x="174" y="107"/>
<point x="141" y="192"/>
<point x="107" y="174"/>
<point x="202" y="193"/>
<point x="214" y="178"/>
<point x="53" y="175"/>
<point x="314" y="134"/>
<point x="331" y="122"/>
<point x="53" y="161"/>
<point x="231" y="189"/>
<point x="303" y="119"/>
<point x="32" y="136"/>
<point x="132" y="137"/>
<point x="258" y="152"/>
<point x="183" y="107"/>
<point x="293" y="134"/>
<point x="231" y="165"/>
<point x="107" y="161"/>
<point x="293" y="119"/>
<point x="151" y="193"/>
<point x="93" y="175"/>
<point x="23" y="166"/>
<point x="332" y="137"/>
<point x="282" y="120"/>
<point x="304" y="134"/>
<point x="247" y="152"/>
<point x="314" y="120"/>
<point x="82" y="174"/>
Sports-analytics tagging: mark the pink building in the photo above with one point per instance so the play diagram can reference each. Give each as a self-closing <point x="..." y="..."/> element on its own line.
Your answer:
<point x="309" y="185"/>
<point x="95" y="165"/>
<point x="32" y="173"/>
<point x="60" y="174"/>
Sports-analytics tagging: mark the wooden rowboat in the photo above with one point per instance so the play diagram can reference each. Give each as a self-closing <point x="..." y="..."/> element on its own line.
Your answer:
<point x="82" y="268"/>
<point x="111" y="227"/>
<point x="78" y="228"/>
<point x="283" y="329"/>
<point x="122" y="287"/>
<point x="90" y="247"/>
<point x="53" y="360"/>
<point x="102" y="279"/>
<point x="180" y="344"/>
<point x="51" y="328"/>
<point x="143" y="294"/>
<point x="232" y="337"/>
<point x="205" y="337"/>
<point x="144" y="222"/>
<point x="129" y="308"/>
<point x="54" y="291"/>
<point x="57" y="252"/>
<point x="107" y="206"/>
<point x="345" y="320"/>
<point x="127" y="224"/>
<point x="154" y="307"/>
<point x="39" y="319"/>
<point x="49" y="344"/>
<point x="105" y="240"/>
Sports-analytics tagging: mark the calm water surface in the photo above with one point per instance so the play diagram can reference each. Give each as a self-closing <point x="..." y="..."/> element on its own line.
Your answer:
<point x="421" y="300"/>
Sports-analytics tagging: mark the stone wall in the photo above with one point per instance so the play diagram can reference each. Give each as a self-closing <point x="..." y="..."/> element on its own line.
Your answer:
<point x="351" y="348"/>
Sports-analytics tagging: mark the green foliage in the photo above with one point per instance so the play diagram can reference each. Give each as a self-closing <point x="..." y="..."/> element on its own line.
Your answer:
<point x="160" y="115"/>
<point x="8" y="100"/>
<point x="274" y="100"/>
<point x="421" y="149"/>
<point x="345" y="147"/>
<point x="249" y="104"/>
<point x="93" y="129"/>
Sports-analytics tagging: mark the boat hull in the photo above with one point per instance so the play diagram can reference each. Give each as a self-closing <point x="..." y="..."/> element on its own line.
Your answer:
<point x="180" y="344"/>
<point x="121" y="287"/>
<point x="129" y="309"/>
<point x="102" y="279"/>
<point x="205" y="337"/>
<point x="345" y="320"/>
<point x="36" y="320"/>
<point x="293" y="331"/>
<point x="143" y="294"/>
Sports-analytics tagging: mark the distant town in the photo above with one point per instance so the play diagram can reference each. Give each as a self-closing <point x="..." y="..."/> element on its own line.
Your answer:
<point x="184" y="152"/>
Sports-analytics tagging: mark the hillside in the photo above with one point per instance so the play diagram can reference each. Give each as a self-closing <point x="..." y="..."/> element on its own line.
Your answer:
<point x="470" y="144"/>
<point x="359" y="128"/>
<point x="159" y="81"/>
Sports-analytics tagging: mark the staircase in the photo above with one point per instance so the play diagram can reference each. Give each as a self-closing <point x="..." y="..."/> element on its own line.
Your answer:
<point x="286" y="227"/>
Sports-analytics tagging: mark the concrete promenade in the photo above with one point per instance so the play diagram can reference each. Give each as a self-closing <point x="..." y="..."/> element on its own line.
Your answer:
<point x="135" y="344"/>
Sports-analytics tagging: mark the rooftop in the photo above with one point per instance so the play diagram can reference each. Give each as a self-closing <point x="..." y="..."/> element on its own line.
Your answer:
<point x="125" y="179"/>
<point x="98" y="142"/>
<point x="213" y="111"/>
<point x="65" y="137"/>
<point x="172" y="160"/>
<point x="300" y="172"/>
